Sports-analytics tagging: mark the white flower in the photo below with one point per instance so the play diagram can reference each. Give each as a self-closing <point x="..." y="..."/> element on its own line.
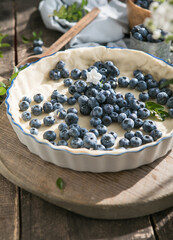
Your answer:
<point x="94" y="77"/>
<point x="157" y="34"/>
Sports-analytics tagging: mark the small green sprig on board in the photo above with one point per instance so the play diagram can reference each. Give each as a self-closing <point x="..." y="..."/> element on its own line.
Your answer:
<point x="166" y="83"/>
<point x="60" y="183"/>
<point x="35" y="36"/>
<point x="157" y="110"/>
<point x="2" y="45"/>
<point x="3" y="86"/>
<point x="71" y="13"/>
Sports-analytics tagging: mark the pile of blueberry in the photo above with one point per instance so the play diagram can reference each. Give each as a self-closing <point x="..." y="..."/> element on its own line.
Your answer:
<point x="37" y="46"/>
<point x="143" y="3"/>
<point x="104" y="106"/>
<point x="141" y="33"/>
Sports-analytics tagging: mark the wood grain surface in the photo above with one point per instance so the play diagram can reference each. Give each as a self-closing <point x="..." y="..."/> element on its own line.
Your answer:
<point x="126" y="194"/>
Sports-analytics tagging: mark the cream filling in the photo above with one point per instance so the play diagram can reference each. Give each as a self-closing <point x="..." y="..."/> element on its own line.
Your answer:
<point x="35" y="79"/>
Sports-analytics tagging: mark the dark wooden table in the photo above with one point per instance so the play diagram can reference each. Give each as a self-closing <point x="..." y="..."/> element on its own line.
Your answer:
<point x="27" y="217"/>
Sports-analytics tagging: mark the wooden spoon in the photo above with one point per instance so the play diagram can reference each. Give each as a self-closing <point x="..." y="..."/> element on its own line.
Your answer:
<point x="65" y="38"/>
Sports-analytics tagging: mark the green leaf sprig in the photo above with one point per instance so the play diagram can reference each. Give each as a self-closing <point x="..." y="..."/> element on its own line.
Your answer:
<point x="2" y="45"/>
<point x="71" y="13"/>
<point x="157" y="110"/>
<point x="166" y="83"/>
<point x="60" y="183"/>
<point x="34" y="36"/>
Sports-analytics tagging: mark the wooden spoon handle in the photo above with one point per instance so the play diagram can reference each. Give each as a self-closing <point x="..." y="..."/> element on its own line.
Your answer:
<point x="72" y="32"/>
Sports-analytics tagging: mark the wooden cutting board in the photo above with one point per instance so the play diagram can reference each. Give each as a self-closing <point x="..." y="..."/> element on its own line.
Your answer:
<point x="126" y="194"/>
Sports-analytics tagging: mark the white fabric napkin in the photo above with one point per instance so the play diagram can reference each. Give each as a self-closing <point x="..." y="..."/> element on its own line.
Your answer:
<point x="109" y="26"/>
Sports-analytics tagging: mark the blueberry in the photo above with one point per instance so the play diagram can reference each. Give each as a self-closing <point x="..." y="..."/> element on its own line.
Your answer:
<point x="64" y="134"/>
<point x="113" y="134"/>
<point x="99" y="147"/>
<point x="138" y="123"/>
<point x="135" y="142"/>
<point x="123" y="82"/>
<point x="124" y="142"/>
<point x="156" y="134"/>
<point x="82" y="100"/>
<point x="72" y="110"/>
<point x="36" y="110"/>
<point x="162" y="98"/>
<point x="71" y="118"/>
<point x="85" y="110"/>
<point x="33" y="131"/>
<point x="76" y="142"/>
<point x="54" y="94"/>
<point x="114" y="116"/>
<point x="61" y="114"/>
<point x="28" y="99"/>
<point x="127" y="124"/>
<point x="89" y="140"/>
<point x="140" y="76"/>
<point x="143" y="96"/>
<point x="38" y="98"/>
<point x="168" y="91"/>
<point x="35" y="123"/>
<point x="147" y="77"/>
<point x="62" y="143"/>
<point x="134" y="104"/>
<point x="71" y="89"/>
<point x="65" y="73"/>
<point x="91" y="92"/>
<point x="116" y="108"/>
<point x="95" y="121"/>
<point x="38" y="50"/>
<point x="76" y="95"/>
<point x="49" y="135"/>
<point x="143" y="113"/>
<point x="108" y="108"/>
<point x="99" y="64"/>
<point x="121" y="117"/>
<point x="148" y="126"/>
<point x="92" y="102"/>
<point x="133" y="116"/>
<point x="170" y="112"/>
<point x="62" y="126"/>
<point x="143" y="31"/>
<point x="113" y="84"/>
<point x="133" y="82"/>
<point x="84" y="74"/>
<point x="101" y="98"/>
<point x="47" y="107"/>
<point x="107" y="120"/>
<point x="23" y="105"/>
<point x="71" y="100"/>
<point x="135" y="72"/>
<point x="108" y="140"/>
<point x="62" y="98"/>
<point x="152" y="83"/>
<point x="82" y="132"/>
<point x="37" y="43"/>
<point x="55" y="74"/>
<point x="57" y="106"/>
<point x="60" y="64"/>
<point x="170" y="102"/>
<point x="121" y="102"/>
<point x="139" y="134"/>
<point x="68" y="82"/>
<point x="102" y="129"/>
<point x="138" y="36"/>
<point x="48" y="120"/>
<point x="141" y="86"/>
<point x="153" y="92"/>
<point x="74" y="132"/>
<point x="75" y="73"/>
<point x="114" y="71"/>
<point x="129" y="135"/>
<point x="97" y="112"/>
<point x="26" y="116"/>
<point x="112" y="99"/>
<point x="95" y="131"/>
<point x="80" y="86"/>
<point x="147" y="139"/>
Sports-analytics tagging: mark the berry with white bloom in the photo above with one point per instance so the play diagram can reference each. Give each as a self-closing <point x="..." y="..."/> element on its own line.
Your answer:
<point x="93" y="76"/>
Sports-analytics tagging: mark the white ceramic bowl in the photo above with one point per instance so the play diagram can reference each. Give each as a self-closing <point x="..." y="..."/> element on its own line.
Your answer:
<point x="35" y="79"/>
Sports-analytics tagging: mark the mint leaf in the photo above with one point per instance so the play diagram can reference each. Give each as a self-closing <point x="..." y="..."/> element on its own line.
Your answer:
<point x="166" y="83"/>
<point x="60" y="183"/>
<point x="32" y="38"/>
<point x="157" y="110"/>
<point x="2" y="91"/>
<point x="2" y="85"/>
